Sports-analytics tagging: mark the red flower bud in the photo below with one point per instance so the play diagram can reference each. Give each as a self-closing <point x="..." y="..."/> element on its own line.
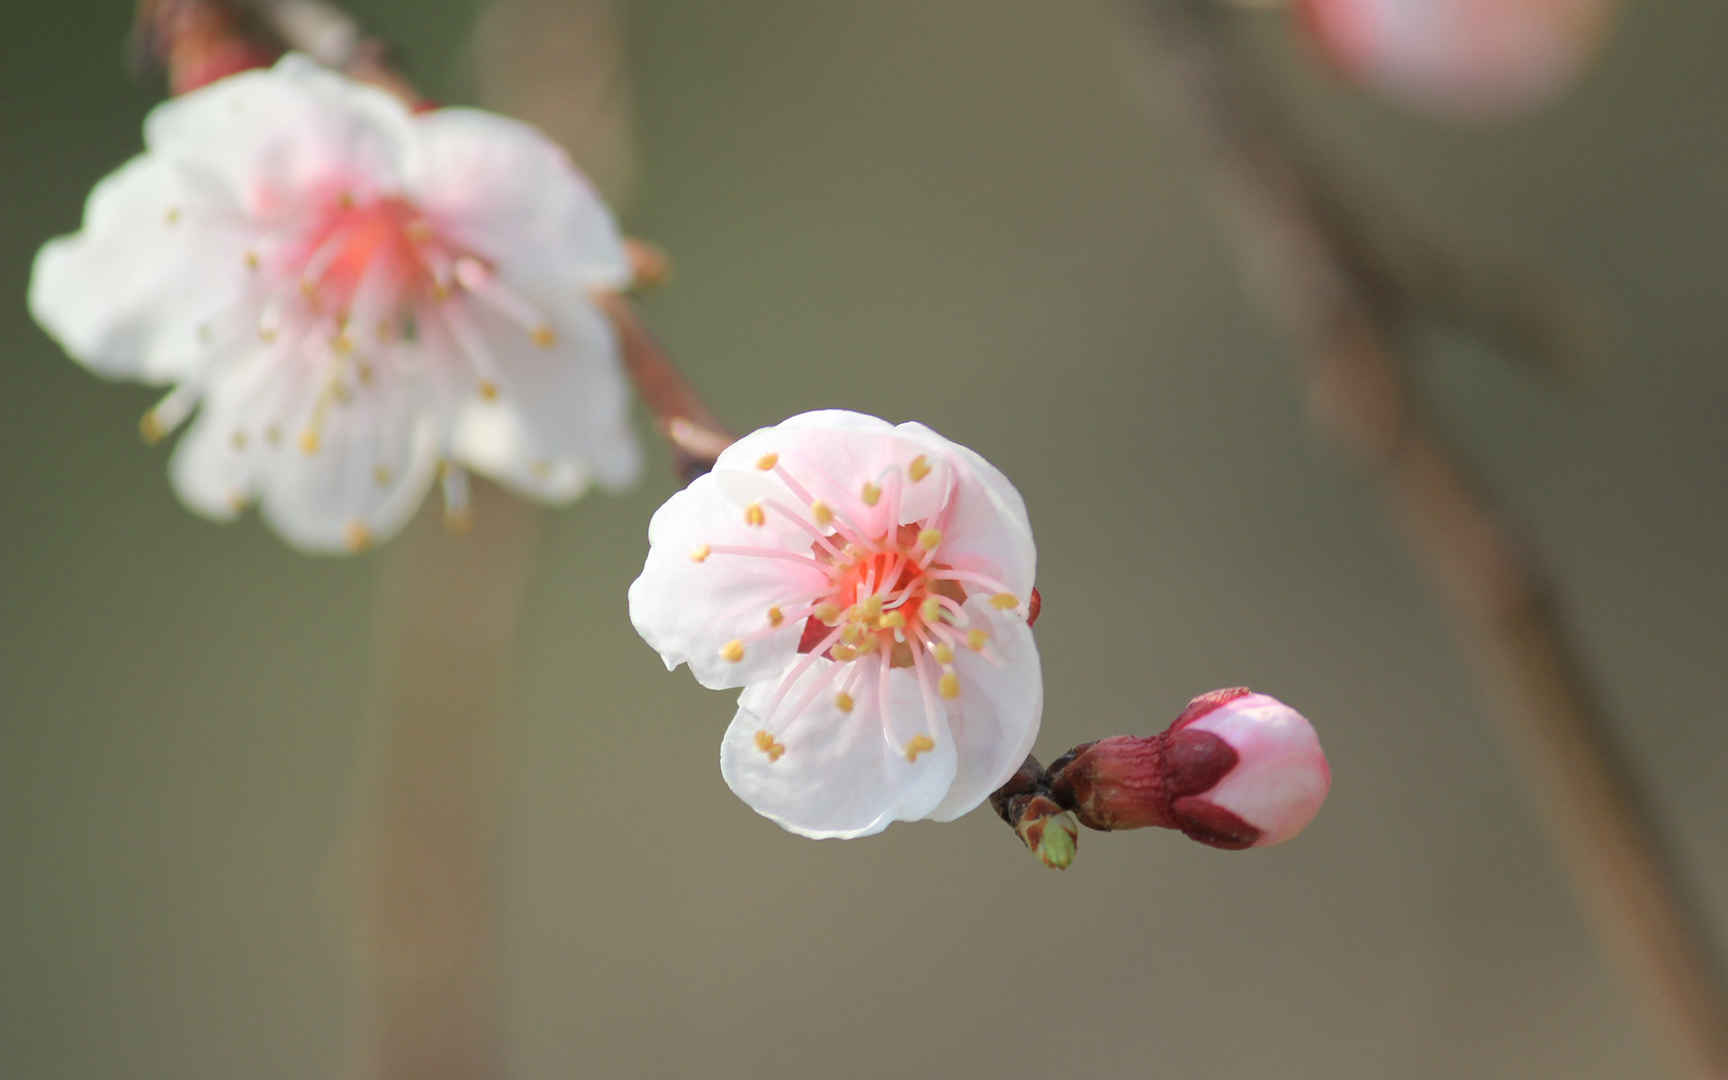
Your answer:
<point x="1237" y="769"/>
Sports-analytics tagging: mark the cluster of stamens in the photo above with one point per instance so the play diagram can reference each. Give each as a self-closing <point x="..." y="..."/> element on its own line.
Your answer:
<point x="339" y="287"/>
<point x="886" y="601"/>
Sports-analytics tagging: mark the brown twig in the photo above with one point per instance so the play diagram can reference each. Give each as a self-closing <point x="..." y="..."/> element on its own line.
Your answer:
<point x="1352" y="314"/>
<point x="696" y="435"/>
<point x="197" y="42"/>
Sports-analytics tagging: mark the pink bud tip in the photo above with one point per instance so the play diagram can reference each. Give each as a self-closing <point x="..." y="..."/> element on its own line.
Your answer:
<point x="1280" y="777"/>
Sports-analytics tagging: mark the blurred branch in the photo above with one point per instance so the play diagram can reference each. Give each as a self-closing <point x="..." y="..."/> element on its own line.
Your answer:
<point x="196" y="42"/>
<point x="337" y="40"/>
<point x="1352" y="313"/>
<point x="445" y="620"/>
<point x="697" y="437"/>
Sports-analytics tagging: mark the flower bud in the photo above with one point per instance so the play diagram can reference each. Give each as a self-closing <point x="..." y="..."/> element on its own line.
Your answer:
<point x="1049" y="831"/>
<point x="1237" y="769"/>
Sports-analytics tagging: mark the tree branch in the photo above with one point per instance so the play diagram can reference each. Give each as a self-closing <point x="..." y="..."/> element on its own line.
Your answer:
<point x="1351" y="314"/>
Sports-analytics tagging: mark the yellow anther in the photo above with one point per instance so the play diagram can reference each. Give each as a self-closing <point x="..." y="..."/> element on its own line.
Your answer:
<point x="347" y="200"/>
<point x="1004" y="601"/>
<point x="357" y="536"/>
<point x="892" y="620"/>
<point x="827" y="612"/>
<point x="172" y="217"/>
<point x="700" y="554"/>
<point x="238" y="502"/>
<point x="843" y="701"/>
<point x="363" y="374"/>
<point x="820" y="513"/>
<point x="237" y="440"/>
<point x="944" y="652"/>
<point x="767" y="461"/>
<point x="545" y="337"/>
<point x="869" y="644"/>
<point x="852" y="634"/>
<point x="870" y="493"/>
<point x="309" y="441"/>
<point x="273" y="435"/>
<point x="381" y="475"/>
<point x="342" y="345"/>
<point x="733" y="650"/>
<point x="948" y="685"/>
<point x="768" y="745"/>
<point x="252" y="260"/>
<point x="776" y="616"/>
<point x="919" y="744"/>
<point x="931" y="609"/>
<point x="488" y="390"/>
<point x="754" y="515"/>
<point x="845" y="653"/>
<point x="871" y="606"/>
<point x="930" y="539"/>
<point x="267" y="334"/>
<point x="853" y="551"/>
<point x="975" y="639"/>
<point x="151" y="428"/>
<point x="457" y="521"/>
<point x="919" y="469"/>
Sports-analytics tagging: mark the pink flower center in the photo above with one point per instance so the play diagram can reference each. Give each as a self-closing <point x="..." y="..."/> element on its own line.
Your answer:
<point x="891" y="592"/>
<point x="883" y="594"/>
<point x="382" y="237"/>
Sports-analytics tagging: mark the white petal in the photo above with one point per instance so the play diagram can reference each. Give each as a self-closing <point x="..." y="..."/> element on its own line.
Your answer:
<point x="688" y="611"/>
<point x="840" y="774"/>
<point x="129" y="295"/>
<point x="212" y="475"/>
<point x="489" y="438"/>
<point x="567" y="403"/>
<point x="986" y="527"/>
<point x="995" y="719"/>
<point x="375" y="456"/>
<point x="506" y="191"/>
<point x="268" y="138"/>
<point x="832" y="454"/>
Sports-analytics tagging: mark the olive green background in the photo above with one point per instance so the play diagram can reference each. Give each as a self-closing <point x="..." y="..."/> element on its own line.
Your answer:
<point x="988" y="215"/>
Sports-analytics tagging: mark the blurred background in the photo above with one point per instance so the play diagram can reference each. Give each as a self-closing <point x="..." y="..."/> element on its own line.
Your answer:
<point x="986" y="216"/>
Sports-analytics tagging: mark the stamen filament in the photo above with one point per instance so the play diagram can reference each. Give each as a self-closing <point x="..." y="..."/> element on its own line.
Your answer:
<point x="771" y="553"/>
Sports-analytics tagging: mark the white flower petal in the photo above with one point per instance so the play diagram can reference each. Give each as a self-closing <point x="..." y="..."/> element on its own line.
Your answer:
<point x="995" y="719"/>
<point x="566" y="402"/>
<point x="511" y="194"/>
<point x="370" y="462"/>
<point x="837" y="774"/>
<point x="134" y="293"/>
<point x="690" y="610"/>
<point x="832" y="453"/>
<point x="986" y="526"/>
<point x="269" y="138"/>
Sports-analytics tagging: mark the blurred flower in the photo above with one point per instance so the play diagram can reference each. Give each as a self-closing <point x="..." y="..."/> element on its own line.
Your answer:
<point x="1237" y="769"/>
<point x="350" y="295"/>
<point x="867" y="585"/>
<point x="1471" y="58"/>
